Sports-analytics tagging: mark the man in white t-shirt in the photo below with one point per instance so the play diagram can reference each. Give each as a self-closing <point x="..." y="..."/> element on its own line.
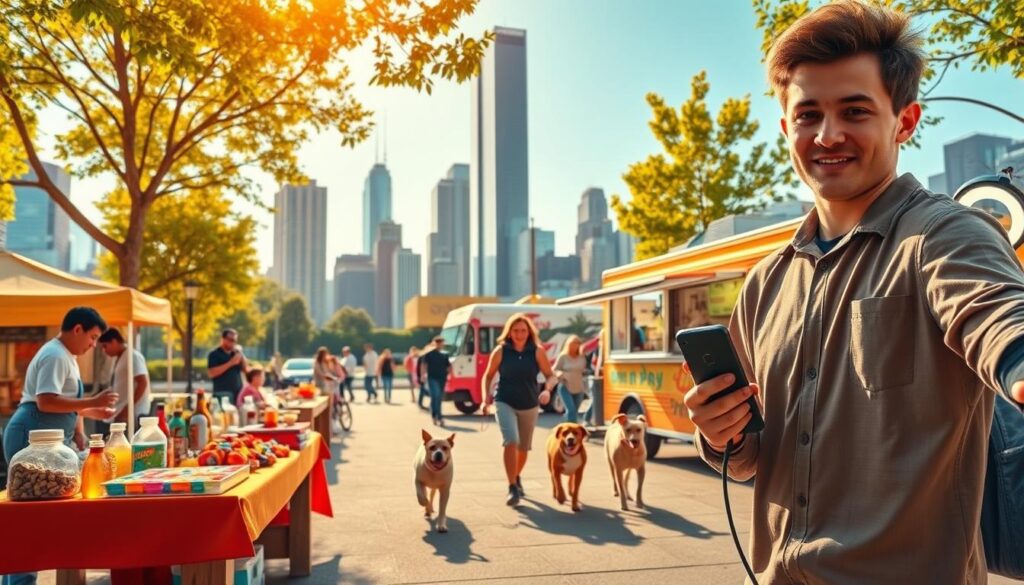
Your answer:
<point x="370" y="367"/>
<point x="114" y="346"/>
<point x="348" y="361"/>
<point x="52" y="396"/>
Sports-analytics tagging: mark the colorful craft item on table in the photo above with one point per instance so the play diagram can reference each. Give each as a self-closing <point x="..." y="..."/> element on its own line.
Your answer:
<point x="178" y="481"/>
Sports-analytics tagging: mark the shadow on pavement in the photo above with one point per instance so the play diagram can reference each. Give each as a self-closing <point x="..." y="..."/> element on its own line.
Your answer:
<point x="591" y="525"/>
<point x="693" y="464"/>
<point x="671" y="521"/>
<point x="338" y="446"/>
<point x="328" y="571"/>
<point x="456" y="545"/>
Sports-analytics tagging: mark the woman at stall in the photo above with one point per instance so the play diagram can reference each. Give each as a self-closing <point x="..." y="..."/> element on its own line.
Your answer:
<point x="518" y="358"/>
<point x="322" y="374"/>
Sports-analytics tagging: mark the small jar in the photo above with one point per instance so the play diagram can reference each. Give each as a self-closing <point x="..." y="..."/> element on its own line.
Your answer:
<point x="45" y="470"/>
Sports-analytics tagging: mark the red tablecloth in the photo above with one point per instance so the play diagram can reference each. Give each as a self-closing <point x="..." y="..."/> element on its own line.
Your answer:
<point x="116" y="533"/>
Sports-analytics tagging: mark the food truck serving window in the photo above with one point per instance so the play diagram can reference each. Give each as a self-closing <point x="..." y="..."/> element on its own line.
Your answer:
<point x="620" y="324"/>
<point x="708" y="304"/>
<point x="647" y="322"/>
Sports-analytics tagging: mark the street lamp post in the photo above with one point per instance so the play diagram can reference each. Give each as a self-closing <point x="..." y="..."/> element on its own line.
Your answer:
<point x="191" y="292"/>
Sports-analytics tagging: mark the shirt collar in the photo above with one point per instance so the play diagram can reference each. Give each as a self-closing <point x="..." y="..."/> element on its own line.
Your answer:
<point x="878" y="219"/>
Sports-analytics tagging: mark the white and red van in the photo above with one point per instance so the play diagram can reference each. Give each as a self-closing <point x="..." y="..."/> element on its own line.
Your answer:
<point x="470" y="333"/>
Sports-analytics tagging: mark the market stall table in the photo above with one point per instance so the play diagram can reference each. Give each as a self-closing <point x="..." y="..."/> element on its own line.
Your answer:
<point x="317" y="412"/>
<point x="202" y="533"/>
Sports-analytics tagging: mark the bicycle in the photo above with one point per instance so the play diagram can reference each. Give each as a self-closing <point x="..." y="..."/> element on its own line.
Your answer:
<point x="342" y="411"/>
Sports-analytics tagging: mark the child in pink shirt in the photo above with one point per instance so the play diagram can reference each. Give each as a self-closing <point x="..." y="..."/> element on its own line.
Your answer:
<point x="255" y="378"/>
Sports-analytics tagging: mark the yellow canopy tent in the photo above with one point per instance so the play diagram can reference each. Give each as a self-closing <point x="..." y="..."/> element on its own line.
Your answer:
<point x="33" y="294"/>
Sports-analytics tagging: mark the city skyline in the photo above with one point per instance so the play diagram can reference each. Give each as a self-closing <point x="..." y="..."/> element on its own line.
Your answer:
<point x="584" y="134"/>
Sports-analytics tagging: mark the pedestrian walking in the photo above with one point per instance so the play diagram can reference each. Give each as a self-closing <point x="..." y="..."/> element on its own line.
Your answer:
<point x="436" y="368"/>
<point x="412" y="370"/>
<point x="518" y="359"/>
<point x="323" y="375"/>
<point x="569" y="368"/>
<point x="386" y="373"/>
<point x="348" y="363"/>
<point x="370" y="358"/>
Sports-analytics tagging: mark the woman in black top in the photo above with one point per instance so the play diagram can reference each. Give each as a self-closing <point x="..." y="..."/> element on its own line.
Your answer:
<point x="518" y="359"/>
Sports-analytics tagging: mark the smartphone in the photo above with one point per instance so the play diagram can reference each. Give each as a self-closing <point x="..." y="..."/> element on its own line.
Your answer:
<point x="709" y="353"/>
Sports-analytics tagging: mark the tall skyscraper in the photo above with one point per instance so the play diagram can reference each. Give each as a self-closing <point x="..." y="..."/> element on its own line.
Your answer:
<point x="544" y="244"/>
<point x="376" y="203"/>
<point x="499" y="183"/>
<point x="385" y="249"/>
<point x="355" y="279"/>
<point x="40" y="228"/>
<point x="937" y="184"/>
<point x="592" y="217"/>
<point x="300" y="243"/>
<point x="83" y="251"/>
<point x="598" y="245"/>
<point x="449" y="241"/>
<point x="407" y="284"/>
<point x="974" y="155"/>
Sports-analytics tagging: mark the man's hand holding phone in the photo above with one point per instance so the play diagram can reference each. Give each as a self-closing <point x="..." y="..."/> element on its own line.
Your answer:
<point x="724" y="418"/>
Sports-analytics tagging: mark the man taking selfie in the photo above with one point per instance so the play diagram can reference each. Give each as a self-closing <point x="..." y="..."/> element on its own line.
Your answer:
<point x="876" y="339"/>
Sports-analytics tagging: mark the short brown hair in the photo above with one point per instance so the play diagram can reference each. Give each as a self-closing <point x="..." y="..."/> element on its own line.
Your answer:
<point x="846" y="28"/>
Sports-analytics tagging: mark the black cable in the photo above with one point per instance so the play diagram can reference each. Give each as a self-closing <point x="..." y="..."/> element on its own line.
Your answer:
<point x="728" y="512"/>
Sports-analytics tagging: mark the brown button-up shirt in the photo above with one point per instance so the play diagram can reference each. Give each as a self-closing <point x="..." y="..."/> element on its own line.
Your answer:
<point x="877" y="363"/>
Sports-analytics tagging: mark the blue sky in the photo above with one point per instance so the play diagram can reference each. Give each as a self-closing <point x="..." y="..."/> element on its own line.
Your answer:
<point x="590" y="64"/>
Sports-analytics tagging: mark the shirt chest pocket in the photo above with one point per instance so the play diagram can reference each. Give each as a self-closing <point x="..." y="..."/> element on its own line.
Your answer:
<point x="881" y="342"/>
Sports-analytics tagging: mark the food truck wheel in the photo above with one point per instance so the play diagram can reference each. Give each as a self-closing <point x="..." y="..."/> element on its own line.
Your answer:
<point x="467" y="406"/>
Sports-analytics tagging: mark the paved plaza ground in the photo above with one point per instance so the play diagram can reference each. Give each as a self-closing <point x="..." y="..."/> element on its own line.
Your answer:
<point x="379" y="535"/>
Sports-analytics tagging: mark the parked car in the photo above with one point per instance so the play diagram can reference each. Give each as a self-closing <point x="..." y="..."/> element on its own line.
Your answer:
<point x="297" y="370"/>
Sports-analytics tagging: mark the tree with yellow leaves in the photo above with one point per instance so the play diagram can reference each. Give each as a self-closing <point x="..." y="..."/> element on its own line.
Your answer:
<point x="710" y="168"/>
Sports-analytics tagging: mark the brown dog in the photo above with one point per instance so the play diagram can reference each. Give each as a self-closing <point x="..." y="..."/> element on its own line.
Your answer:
<point x="435" y="471"/>
<point x="566" y="456"/>
<point x="624" y="445"/>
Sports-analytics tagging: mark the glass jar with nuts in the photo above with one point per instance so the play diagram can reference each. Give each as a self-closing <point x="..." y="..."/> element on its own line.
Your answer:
<point x="45" y="470"/>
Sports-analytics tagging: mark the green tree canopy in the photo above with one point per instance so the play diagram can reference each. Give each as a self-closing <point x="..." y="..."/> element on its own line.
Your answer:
<point x="296" y="326"/>
<point x="192" y="237"/>
<point x="702" y="175"/>
<point x="167" y="98"/>
<point x="349" y="322"/>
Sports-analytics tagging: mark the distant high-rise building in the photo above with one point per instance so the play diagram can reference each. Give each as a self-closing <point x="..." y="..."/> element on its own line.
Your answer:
<point x="376" y="203"/>
<point x="626" y="247"/>
<point x="406" y="280"/>
<point x="355" y="279"/>
<point x="560" y="268"/>
<point x="974" y="155"/>
<point x="300" y="243"/>
<point x="499" y="182"/>
<point x="544" y="244"/>
<point x="598" y="245"/>
<point x="3" y="235"/>
<point x="83" y="252"/>
<point x="40" y="228"/>
<point x="1014" y="157"/>
<point x="937" y="184"/>
<point x="443" y="279"/>
<point x="449" y="241"/>
<point x="385" y="248"/>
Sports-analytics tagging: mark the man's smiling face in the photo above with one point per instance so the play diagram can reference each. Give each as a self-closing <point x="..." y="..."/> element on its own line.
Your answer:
<point x="843" y="135"/>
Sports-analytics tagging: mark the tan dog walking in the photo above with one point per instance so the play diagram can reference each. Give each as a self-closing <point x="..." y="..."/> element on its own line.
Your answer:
<point x="434" y="470"/>
<point x="567" y="456"/>
<point x="624" y="445"/>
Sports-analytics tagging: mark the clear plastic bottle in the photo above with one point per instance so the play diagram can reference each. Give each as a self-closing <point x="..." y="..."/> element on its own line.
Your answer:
<point x="119" y="449"/>
<point x="230" y="412"/>
<point x="249" y="413"/>
<point x="216" y="418"/>
<point x="96" y="470"/>
<point x="149" y="445"/>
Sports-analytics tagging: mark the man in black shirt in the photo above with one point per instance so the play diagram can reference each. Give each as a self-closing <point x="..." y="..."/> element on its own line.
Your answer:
<point x="226" y="365"/>
<point x="435" y="367"/>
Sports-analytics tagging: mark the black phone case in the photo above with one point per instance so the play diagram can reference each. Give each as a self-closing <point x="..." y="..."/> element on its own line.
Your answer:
<point x="709" y="353"/>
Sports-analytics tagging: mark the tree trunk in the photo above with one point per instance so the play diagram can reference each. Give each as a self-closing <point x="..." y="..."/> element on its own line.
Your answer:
<point x="130" y="263"/>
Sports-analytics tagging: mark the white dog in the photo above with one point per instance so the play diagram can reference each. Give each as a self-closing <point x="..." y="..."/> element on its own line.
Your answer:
<point x="434" y="470"/>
